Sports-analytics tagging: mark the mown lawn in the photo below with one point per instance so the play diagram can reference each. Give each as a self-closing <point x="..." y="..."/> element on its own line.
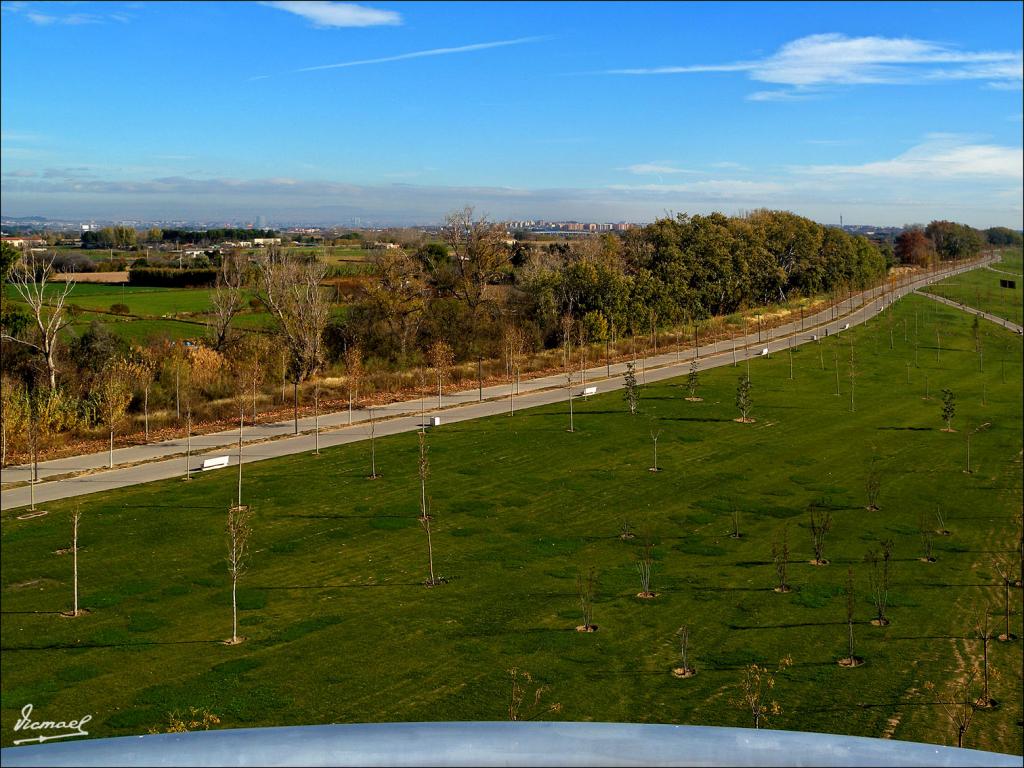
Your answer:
<point x="980" y="288"/>
<point x="341" y="629"/>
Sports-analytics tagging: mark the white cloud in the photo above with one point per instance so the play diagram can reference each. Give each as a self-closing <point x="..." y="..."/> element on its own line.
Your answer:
<point x="655" y="168"/>
<point x="835" y="59"/>
<point x="71" y="19"/>
<point x="801" y="95"/>
<point x="940" y="156"/>
<point x="328" y="14"/>
<point x="420" y="54"/>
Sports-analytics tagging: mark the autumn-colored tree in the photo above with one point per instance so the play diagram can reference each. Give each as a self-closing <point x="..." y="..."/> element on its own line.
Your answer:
<point x="353" y="374"/>
<point x="146" y="364"/>
<point x="914" y="247"/>
<point x="112" y="393"/>
<point x="441" y="357"/>
<point x="14" y="413"/>
<point x="756" y="691"/>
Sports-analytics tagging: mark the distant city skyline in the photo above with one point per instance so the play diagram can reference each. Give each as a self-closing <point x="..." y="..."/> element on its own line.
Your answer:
<point x="882" y="113"/>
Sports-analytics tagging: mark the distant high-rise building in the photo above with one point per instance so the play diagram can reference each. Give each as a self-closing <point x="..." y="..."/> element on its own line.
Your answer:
<point x="261" y="222"/>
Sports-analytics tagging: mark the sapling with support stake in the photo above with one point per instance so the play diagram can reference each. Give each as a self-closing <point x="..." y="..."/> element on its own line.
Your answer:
<point x="684" y="669"/>
<point x="654" y="438"/>
<point x="586" y="588"/>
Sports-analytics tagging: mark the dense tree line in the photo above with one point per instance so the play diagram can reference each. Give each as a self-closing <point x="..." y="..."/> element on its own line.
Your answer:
<point x="110" y="237"/>
<point x="1004" y="236"/>
<point x="467" y="290"/>
<point x="213" y="235"/>
<point x="946" y="241"/>
<point x="168" y="277"/>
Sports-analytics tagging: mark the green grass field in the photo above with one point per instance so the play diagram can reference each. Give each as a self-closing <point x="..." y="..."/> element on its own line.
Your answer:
<point x="174" y="313"/>
<point x="340" y="628"/>
<point x="980" y="288"/>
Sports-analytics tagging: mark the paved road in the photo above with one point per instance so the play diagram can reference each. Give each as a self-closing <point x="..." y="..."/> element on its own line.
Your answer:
<point x="994" y="318"/>
<point x="167" y="459"/>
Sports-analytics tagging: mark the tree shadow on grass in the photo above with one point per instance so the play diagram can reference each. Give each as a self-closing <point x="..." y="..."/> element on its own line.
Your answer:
<point x="863" y="705"/>
<point x="707" y="419"/>
<point x="73" y="646"/>
<point x="339" y="586"/>
<point x="909" y="429"/>
<point x="796" y="625"/>
<point x="346" y="517"/>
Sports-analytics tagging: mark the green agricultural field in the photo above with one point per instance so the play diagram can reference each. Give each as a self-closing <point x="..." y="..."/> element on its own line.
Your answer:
<point x="141" y="330"/>
<point x="82" y="290"/>
<point x="340" y="628"/>
<point x="150" y="302"/>
<point x="980" y="288"/>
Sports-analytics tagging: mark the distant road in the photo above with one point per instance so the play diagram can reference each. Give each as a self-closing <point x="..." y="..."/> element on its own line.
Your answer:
<point x="84" y="474"/>
<point x="973" y="310"/>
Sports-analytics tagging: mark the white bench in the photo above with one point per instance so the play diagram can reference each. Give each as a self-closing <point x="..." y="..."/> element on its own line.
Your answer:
<point x="846" y="327"/>
<point x="764" y="352"/>
<point x="215" y="463"/>
<point x="587" y="391"/>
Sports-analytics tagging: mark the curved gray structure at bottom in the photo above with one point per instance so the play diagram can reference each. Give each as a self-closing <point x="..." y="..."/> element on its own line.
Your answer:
<point x="497" y="744"/>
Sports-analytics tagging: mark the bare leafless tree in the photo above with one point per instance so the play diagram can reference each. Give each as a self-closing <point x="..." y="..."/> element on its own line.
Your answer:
<point x="873" y="484"/>
<point x="655" y="434"/>
<point x="239" y="531"/>
<point x="684" y="669"/>
<point x="780" y="558"/>
<point x="926" y="533"/>
<point x="960" y="706"/>
<point x="521" y="681"/>
<point x="425" y="516"/>
<point x="290" y="288"/>
<point x="821" y="524"/>
<point x="586" y="589"/>
<point x="47" y="309"/>
<point x="373" y="448"/>
<point x="735" y="523"/>
<point x="879" y="572"/>
<point x="644" y="564"/>
<point x="1007" y="575"/>
<point x="983" y="629"/>
<point x="76" y="518"/>
<point x="226" y="299"/>
<point x="851" y="659"/>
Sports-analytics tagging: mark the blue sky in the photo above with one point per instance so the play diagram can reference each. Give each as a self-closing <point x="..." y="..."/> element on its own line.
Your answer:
<point x="884" y="113"/>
